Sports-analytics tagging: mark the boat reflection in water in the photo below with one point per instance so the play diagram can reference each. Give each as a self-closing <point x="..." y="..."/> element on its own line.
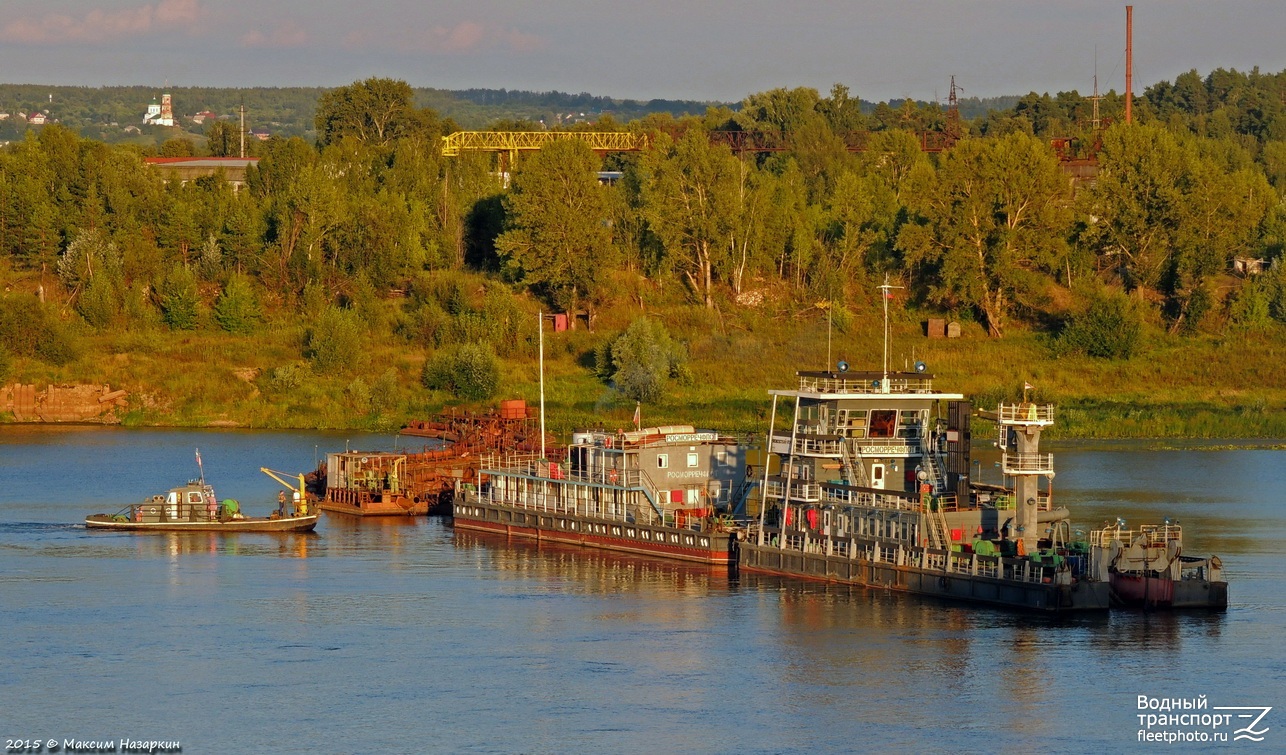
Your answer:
<point x="592" y="570"/>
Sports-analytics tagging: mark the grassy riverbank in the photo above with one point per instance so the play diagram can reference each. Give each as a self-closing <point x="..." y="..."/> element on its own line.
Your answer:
<point x="1203" y="386"/>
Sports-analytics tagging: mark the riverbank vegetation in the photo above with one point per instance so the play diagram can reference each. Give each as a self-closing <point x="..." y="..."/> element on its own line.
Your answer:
<point x="364" y="279"/>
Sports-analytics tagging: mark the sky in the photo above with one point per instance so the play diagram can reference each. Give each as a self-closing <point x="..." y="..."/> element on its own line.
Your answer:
<point x="712" y="50"/>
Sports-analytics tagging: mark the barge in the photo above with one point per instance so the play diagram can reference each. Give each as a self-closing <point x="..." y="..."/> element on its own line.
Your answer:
<point x="869" y="486"/>
<point x="659" y="491"/>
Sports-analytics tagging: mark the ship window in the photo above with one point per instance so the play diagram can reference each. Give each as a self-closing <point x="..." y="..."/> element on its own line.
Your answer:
<point x="693" y="460"/>
<point x="662" y="461"/>
<point x="883" y="423"/>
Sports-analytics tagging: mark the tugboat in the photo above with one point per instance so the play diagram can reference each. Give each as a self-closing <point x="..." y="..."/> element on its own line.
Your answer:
<point x="657" y="491"/>
<point x="194" y="508"/>
<point x="870" y="486"/>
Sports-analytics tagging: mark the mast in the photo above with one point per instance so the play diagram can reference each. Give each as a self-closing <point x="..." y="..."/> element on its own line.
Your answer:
<point x="243" y="130"/>
<point x="541" y="330"/>
<point x="886" y="293"/>
<point x="1129" y="64"/>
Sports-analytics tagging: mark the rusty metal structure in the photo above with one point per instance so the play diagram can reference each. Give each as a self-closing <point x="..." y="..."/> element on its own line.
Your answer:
<point x="409" y="483"/>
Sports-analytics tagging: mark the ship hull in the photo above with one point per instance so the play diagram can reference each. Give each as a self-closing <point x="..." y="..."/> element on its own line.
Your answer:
<point x="1138" y="591"/>
<point x="286" y="524"/>
<point x="354" y="503"/>
<point x="713" y="548"/>
<point x="908" y="578"/>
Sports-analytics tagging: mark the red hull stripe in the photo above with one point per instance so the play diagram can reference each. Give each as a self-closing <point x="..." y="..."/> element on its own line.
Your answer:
<point x="607" y="542"/>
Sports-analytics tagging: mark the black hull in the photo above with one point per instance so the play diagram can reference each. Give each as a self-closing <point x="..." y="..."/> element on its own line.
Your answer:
<point x="1005" y="593"/>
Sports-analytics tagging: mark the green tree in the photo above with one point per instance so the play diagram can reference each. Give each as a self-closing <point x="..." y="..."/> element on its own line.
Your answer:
<point x="337" y="344"/>
<point x="1109" y="327"/>
<point x="237" y="308"/>
<point x="223" y="139"/>
<point x="1167" y="218"/>
<point x="470" y="371"/>
<point x="178" y="148"/>
<point x="375" y="111"/>
<point x="179" y="299"/>
<point x="692" y="202"/>
<point x="990" y="220"/>
<point x="29" y="328"/>
<point x="557" y="239"/>
<point x="642" y="360"/>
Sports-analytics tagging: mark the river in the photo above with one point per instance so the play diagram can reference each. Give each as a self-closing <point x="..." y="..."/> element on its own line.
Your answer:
<point x="404" y="636"/>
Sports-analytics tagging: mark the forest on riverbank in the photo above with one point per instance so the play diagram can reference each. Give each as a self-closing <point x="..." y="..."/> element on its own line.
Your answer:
<point x="361" y="279"/>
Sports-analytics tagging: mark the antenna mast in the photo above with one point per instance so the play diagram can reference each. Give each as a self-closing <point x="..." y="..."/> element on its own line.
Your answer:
<point x="1129" y="64"/>
<point x="886" y="293"/>
<point x="243" y="130"/>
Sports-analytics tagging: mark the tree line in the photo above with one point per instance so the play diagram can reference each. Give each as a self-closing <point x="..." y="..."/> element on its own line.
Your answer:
<point x="992" y="229"/>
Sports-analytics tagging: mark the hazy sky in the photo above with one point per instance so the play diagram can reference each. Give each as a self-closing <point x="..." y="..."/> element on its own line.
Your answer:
<point x="643" y="49"/>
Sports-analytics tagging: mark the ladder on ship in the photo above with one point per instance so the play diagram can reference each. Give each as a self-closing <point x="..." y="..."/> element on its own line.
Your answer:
<point x="931" y="465"/>
<point x="854" y="470"/>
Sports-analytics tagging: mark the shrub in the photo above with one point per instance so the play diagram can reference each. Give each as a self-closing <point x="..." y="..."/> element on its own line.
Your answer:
<point x="28" y="328"/>
<point x="286" y="378"/>
<point x="1109" y="328"/>
<point x="180" y="301"/>
<point x="384" y="392"/>
<point x="237" y="308"/>
<point x="643" y="359"/>
<point x="337" y="343"/>
<point x="470" y="371"/>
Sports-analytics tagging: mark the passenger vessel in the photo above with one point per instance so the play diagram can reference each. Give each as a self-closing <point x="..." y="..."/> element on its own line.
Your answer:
<point x="659" y="491"/>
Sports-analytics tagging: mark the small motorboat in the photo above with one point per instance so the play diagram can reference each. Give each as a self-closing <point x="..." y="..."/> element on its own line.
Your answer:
<point x="194" y="508"/>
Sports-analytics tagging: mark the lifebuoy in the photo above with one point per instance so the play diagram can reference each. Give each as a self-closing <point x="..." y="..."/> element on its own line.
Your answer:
<point x="152" y="510"/>
<point x="612" y="476"/>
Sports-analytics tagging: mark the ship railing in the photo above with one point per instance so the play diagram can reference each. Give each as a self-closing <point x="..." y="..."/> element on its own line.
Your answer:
<point x="1152" y="535"/>
<point x="864" y="384"/>
<point x="161" y="510"/>
<point x="807" y="445"/>
<point x="894" y="552"/>
<point x="800" y="491"/>
<point x="842" y="495"/>
<point x="547" y="499"/>
<point x="627" y="478"/>
<point x="945" y="502"/>
<point x="532" y="465"/>
<point x="1025" y="414"/>
<point x="1023" y="464"/>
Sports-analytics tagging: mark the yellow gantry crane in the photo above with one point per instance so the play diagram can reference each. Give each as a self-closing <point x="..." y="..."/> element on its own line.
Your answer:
<point x="510" y="143"/>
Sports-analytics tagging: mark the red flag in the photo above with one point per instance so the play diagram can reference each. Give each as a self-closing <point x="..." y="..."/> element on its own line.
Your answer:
<point x="638" y="415"/>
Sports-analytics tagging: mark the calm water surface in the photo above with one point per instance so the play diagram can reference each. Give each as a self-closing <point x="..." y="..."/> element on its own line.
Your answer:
<point x="404" y="636"/>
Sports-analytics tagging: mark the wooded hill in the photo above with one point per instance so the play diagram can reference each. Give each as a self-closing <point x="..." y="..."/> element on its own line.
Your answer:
<point x="106" y="113"/>
<point x="360" y="268"/>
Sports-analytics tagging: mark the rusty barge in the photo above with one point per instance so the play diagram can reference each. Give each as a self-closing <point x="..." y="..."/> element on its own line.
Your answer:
<point x="411" y="483"/>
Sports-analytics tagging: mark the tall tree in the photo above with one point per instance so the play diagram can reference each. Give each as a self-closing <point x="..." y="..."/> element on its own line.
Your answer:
<point x="557" y="238"/>
<point x="223" y="139"/>
<point x="991" y="218"/>
<point x="375" y="111"/>
<point x="692" y="201"/>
